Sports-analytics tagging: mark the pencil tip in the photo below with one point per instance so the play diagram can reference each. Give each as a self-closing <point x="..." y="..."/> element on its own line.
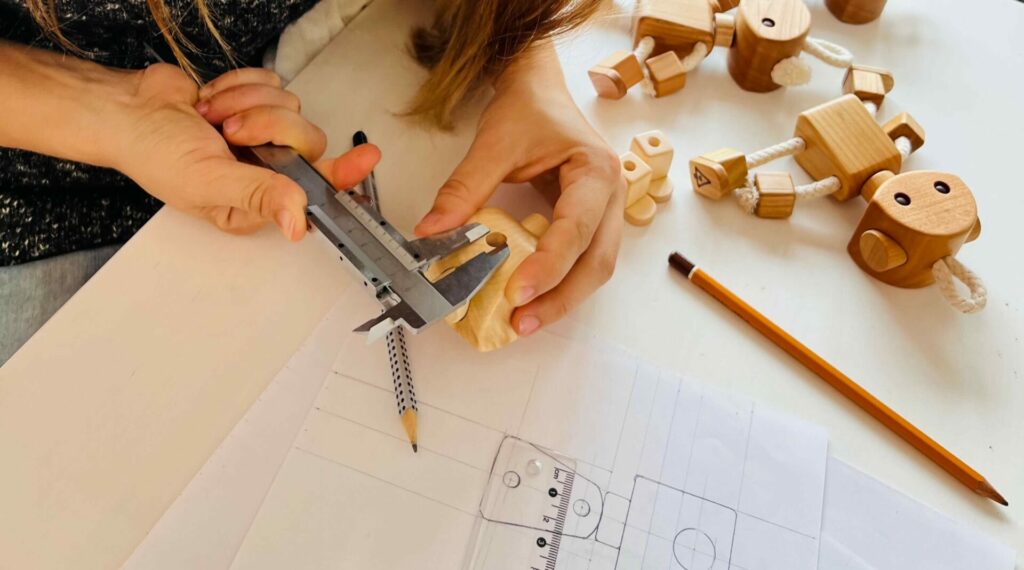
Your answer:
<point x="988" y="491"/>
<point x="415" y="448"/>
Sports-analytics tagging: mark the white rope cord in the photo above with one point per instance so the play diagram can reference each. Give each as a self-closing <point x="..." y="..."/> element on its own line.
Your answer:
<point x="791" y="72"/>
<point x="904" y="146"/>
<point x="794" y="71"/>
<point x="774" y="152"/>
<point x="828" y="52"/>
<point x="948" y="268"/>
<point x="642" y="51"/>
<point x="871" y="107"/>
<point x="693" y="59"/>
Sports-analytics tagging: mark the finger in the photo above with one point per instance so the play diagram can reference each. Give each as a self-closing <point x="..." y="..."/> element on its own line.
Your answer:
<point x="277" y="125"/>
<point x="241" y="76"/>
<point x="587" y="194"/>
<point x="593" y="269"/>
<point x="232" y="220"/>
<point x="469" y="187"/>
<point x="262" y="193"/>
<point x="234" y="100"/>
<point x="349" y="169"/>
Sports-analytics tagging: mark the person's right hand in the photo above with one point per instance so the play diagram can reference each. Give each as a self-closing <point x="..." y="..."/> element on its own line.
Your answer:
<point x="175" y="152"/>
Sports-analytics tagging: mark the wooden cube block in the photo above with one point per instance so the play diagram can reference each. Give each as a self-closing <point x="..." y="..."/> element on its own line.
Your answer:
<point x="637" y="175"/>
<point x="868" y="83"/>
<point x="776" y="194"/>
<point x="767" y="31"/>
<point x="843" y="140"/>
<point x="725" y="30"/>
<point x="666" y="73"/>
<point x="717" y="173"/>
<point x="641" y="212"/>
<point x="903" y="125"/>
<point x="675" y="25"/>
<point x="654" y="148"/>
<point x="616" y="74"/>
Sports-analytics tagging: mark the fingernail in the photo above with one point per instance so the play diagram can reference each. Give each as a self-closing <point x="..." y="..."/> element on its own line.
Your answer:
<point x="231" y="125"/>
<point x="523" y="296"/>
<point x="202" y="107"/>
<point x="430" y="219"/>
<point x="286" y="222"/>
<point x="528" y="324"/>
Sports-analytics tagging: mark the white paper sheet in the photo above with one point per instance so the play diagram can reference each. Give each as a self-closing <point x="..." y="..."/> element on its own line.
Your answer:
<point x="749" y="484"/>
<point x="868" y="525"/>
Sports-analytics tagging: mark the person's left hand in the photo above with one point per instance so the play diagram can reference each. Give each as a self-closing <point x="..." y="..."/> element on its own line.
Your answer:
<point x="532" y="131"/>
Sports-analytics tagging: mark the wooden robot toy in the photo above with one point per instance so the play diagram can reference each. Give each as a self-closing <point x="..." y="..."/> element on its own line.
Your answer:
<point x="915" y="222"/>
<point x="645" y="168"/>
<point x="671" y="37"/>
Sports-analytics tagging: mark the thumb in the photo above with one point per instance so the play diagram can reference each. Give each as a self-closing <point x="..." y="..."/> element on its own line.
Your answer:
<point x="265" y="194"/>
<point x="465" y="192"/>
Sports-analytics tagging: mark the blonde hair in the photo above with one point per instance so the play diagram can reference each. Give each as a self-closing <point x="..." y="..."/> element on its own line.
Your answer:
<point x="469" y="41"/>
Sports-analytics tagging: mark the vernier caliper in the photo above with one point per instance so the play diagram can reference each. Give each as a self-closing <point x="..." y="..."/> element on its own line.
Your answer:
<point x="388" y="265"/>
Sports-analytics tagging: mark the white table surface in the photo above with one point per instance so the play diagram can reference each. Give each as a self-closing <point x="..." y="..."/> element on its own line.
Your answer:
<point x="110" y="410"/>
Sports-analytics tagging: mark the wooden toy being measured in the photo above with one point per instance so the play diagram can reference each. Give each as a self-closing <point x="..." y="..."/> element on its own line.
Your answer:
<point x="645" y="168"/>
<point x="671" y="37"/>
<point x="914" y="223"/>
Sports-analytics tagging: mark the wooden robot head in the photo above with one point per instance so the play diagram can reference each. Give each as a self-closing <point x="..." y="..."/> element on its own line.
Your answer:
<point x="767" y="32"/>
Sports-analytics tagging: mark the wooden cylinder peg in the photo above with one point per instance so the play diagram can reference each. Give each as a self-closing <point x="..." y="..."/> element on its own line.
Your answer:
<point x="874" y="183"/>
<point x="767" y="31"/>
<point x="856" y="11"/>
<point x="613" y="77"/>
<point x="880" y="251"/>
<point x="725" y="30"/>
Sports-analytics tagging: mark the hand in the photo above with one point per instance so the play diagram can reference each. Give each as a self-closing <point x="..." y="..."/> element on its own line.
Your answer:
<point x="176" y="153"/>
<point x="532" y="131"/>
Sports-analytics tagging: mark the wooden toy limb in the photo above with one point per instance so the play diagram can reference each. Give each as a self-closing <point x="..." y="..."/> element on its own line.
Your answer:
<point x="641" y="212"/>
<point x="868" y="83"/>
<point x="666" y="73"/>
<point x="485" y="322"/>
<point x="856" y="11"/>
<point x="613" y="77"/>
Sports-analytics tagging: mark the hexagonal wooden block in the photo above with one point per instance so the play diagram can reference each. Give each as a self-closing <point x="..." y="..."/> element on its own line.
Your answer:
<point x="675" y="25"/>
<point x="666" y="73"/>
<point x="843" y="140"/>
<point x="776" y="194"/>
<point x="868" y="83"/>
<point x="903" y="125"/>
<point x="637" y="175"/>
<point x="654" y="148"/>
<point x="717" y="173"/>
<point x="616" y="74"/>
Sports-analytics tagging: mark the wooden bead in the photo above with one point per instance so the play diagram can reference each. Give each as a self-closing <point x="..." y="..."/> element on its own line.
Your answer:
<point x="856" y="11"/>
<point x="881" y="252"/>
<point x="637" y="175"/>
<point x="725" y="30"/>
<point x="675" y="25"/>
<point x="717" y="173"/>
<point x="776" y="194"/>
<point x="868" y="83"/>
<point x="486" y="322"/>
<point x="903" y="125"/>
<point x="927" y="214"/>
<point x="641" y="212"/>
<point x="654" y="148"/>
<point x="666" y="73"/>
<point x="842" y="139"/>
<point x="767" y="31"/>
<point x="616" y="74"/>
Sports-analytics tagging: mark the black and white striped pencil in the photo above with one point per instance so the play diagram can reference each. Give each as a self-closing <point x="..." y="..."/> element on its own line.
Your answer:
<point x="398" y="354"/>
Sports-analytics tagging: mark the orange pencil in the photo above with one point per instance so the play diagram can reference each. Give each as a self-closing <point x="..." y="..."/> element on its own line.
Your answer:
<point x="847" y="387"/>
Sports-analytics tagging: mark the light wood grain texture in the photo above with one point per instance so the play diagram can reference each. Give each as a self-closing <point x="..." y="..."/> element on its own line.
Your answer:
<point x="654" y="148"/>
<point x="666" y="73"/>
<point x="868" y="190"/>
<point x="776" y="194"/>
<point x="675" y="25"/>
<point x="613" y="77"/>
<point x="661" y="190"/>
<point x="486" y="321"/>
<point x="868" y="83"/>
<point x="904" y="125"/>
<point x="638" y="177"/>
<point x="880" y="251"/>
<point x="767" y="31"/>
<point x="928" y="214"/>
<point x="724" y="5"/>
<point x="856" y="11"/>
<point x="725" y="30"/>
<point x="717" y="173"/>
<point x="843" y="140"/>
<point x="641" y="212"/>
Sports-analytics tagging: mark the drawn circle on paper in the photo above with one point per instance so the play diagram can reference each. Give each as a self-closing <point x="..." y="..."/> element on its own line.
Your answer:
<point x="684" y="546"/>
<point x="581" y="508"/>
<point x="511" y="479"/>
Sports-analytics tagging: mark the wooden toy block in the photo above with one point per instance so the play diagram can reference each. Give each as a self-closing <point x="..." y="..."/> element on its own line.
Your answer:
<point x="654" y="148"/>
<point x="717" y="173"/>
<point x="641" y="212"/>
<point x="661" y="190"/>
<point x="666" y="73"/>
<point x="776" y="194"/>
<point x="616" y="74"/>
<point x="486" y="321"/>
<point x="724" y="5"/>
<point x="843" y="140"/>
<point x="925" y="214"/>
<point x="675" y="25"/>
<point x="856" y="11"/>
<point x="868" y="83"/>
<point x="637" y="175"/>
<point x="903" y="125"/>
<point x="767" y="31"/>
<point x="725" y="30"/>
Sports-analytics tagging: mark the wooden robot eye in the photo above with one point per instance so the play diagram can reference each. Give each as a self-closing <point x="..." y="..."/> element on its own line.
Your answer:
<point x="902" y="199"/>
<point x="768" y="22"/>
<point x="942" y="187"/>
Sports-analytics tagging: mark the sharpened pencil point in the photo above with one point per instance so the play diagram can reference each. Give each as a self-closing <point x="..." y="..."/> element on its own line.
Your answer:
<point x="415" y="448"/>
<point x="986" y="490"/>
